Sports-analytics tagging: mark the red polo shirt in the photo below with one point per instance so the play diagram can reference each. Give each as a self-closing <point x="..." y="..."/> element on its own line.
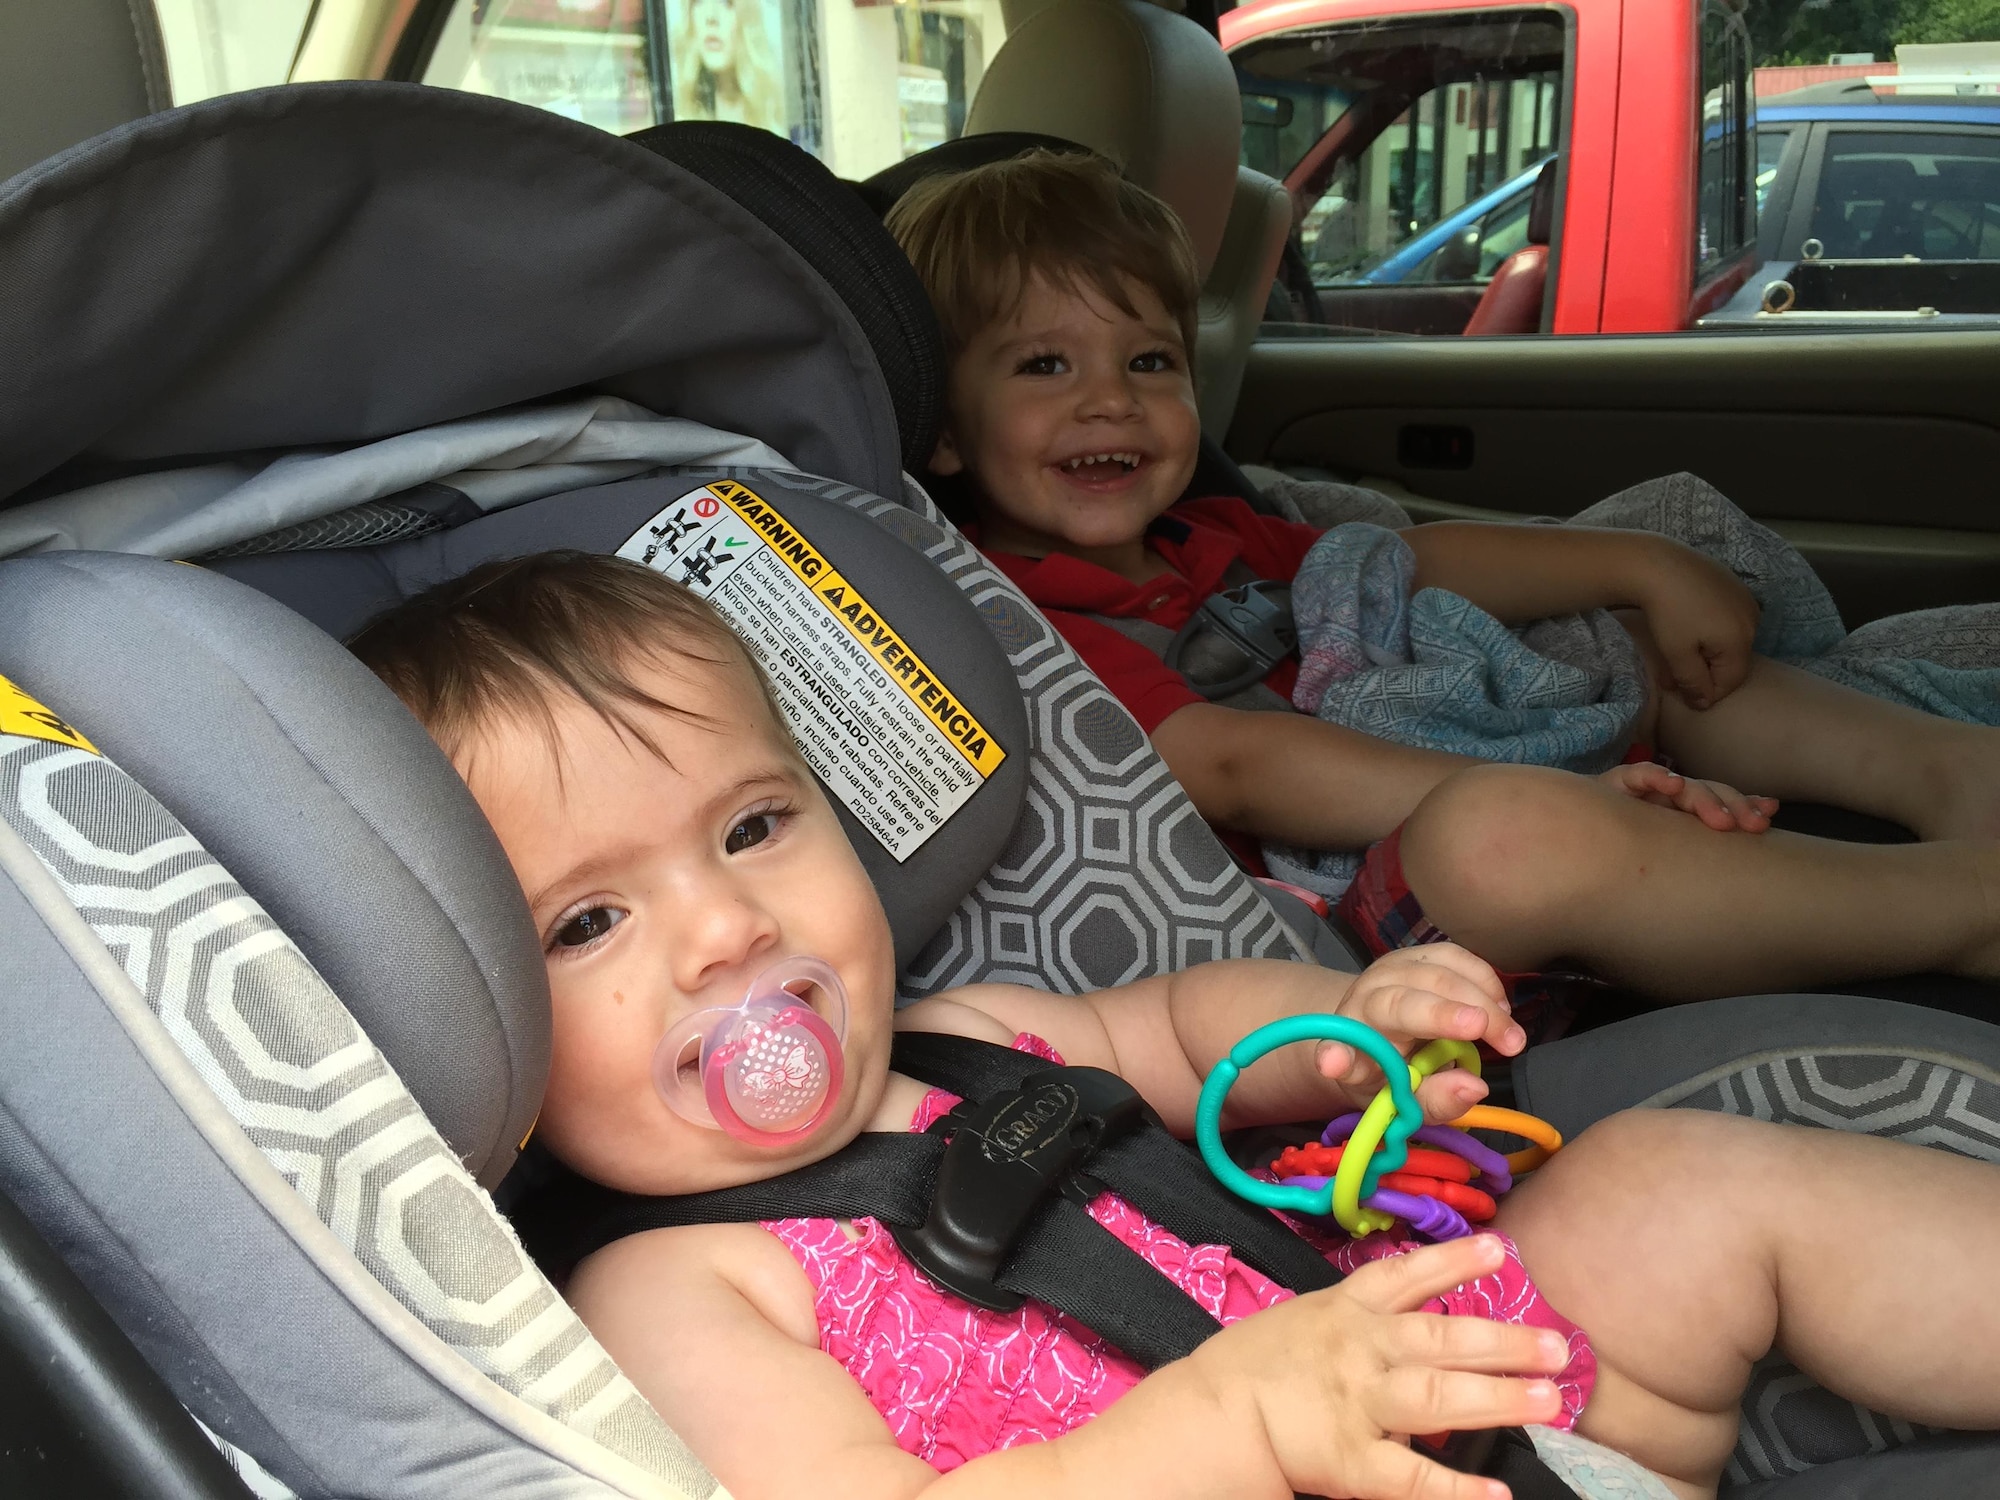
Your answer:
<point x="1198" y="539"/>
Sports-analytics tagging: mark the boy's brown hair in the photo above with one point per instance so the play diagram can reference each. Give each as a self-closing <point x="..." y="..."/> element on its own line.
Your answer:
<point x="978" y="237"/>
<point x="508" y="638"/>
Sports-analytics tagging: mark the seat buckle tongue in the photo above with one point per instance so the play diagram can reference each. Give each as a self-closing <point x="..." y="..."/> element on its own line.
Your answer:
<point x="1008" y="1154"/>
<point x="1235" y="638"/>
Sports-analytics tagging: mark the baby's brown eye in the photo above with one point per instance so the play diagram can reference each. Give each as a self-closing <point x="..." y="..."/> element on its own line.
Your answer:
<point x="588" y="926"/>
<point x="751" y="831"/>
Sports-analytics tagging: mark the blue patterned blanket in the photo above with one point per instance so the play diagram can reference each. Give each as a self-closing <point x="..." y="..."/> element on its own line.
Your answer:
<point x="1434" y="670"/>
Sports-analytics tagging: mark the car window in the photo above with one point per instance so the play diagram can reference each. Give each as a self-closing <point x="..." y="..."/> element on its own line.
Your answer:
<point x="224" y="46"/>
<point x="1474" y="252"/>
<point x="1726" y="208"/>
<point x="1771" y="144"/>
<point x="1405" y="139"/>
<point x="860" y="85"/>
<point x="1887" y="195"/>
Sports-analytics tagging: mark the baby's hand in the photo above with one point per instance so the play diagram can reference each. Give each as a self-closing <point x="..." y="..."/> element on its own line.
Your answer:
<point x="1411" y="996"/>
<point x="1337" y="1380"/>
<point x="1722" y="808"/>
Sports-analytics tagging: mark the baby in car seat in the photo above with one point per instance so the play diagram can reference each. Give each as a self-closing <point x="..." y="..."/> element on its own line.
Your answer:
<point x="675" y="852"/>
<point x="1068" y="297"/>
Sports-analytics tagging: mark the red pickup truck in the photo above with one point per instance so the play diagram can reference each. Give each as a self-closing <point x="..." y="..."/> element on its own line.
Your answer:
<point x="1384" y="116"/>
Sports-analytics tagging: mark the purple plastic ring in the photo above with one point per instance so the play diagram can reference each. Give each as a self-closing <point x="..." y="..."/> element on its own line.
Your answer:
<point x="1428" y="1217"/>
<point x="1490" y="1164"/>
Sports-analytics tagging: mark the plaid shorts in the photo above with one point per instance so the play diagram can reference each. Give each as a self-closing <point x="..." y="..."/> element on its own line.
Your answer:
<point x="1383" y="912"/>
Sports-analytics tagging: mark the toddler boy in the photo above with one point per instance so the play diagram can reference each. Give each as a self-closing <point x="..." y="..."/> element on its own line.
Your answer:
<point x="1067" y="297"/>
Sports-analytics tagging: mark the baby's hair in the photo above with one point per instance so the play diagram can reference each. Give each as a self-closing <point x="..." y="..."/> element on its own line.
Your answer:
<point x="509" y="638"/>
<point x="978" y="237"/>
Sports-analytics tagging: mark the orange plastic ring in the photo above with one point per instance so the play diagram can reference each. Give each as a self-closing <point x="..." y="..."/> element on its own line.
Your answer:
<point x="1547" y="1139"/>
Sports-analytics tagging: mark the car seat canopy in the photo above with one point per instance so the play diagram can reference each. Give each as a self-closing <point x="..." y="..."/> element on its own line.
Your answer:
<point x="325" y="264"/>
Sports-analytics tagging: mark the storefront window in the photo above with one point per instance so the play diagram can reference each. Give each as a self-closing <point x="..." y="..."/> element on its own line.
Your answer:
<point x="859" y="84"/>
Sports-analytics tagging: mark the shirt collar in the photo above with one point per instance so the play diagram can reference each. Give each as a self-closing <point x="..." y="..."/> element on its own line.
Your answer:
<point x="1199" y="555"/>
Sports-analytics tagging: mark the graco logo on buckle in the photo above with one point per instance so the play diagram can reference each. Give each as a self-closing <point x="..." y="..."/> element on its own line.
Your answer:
<point x="1031" y="1123"/>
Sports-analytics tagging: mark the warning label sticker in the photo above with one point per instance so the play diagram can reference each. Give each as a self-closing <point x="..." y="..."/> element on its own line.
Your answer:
<point x="873" y="721"/>
<point x="22" y="715"/>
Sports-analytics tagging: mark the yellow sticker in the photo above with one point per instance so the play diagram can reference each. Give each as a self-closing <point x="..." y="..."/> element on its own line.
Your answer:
<point x="22" y="715"/>
<point x="893" y="744"/>
<point x="889" y="649"/>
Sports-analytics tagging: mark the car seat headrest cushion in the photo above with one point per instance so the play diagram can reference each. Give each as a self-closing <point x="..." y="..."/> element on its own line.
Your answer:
<point x="192" y="1119"/>
<point x="315" y="787"/>
<point x="340" y="589"/>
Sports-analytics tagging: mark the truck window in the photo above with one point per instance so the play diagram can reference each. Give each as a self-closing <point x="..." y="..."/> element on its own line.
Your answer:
<point x="1886" y="195"/>
<point x="860" y="85"/>
<point x="1410" y="146"/>
<point x="1726" y="201"/>
<point x="1771" y="146"/>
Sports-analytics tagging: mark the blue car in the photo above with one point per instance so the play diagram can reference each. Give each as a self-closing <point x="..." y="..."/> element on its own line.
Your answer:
<point x="1485" y="232"/>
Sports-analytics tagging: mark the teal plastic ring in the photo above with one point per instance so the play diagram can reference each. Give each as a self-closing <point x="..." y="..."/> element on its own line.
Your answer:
<point x="1266" y="1039"/>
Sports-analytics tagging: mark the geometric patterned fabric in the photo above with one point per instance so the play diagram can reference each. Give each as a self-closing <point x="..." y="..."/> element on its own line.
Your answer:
<point x="1110" y="875"/>
<point x="293" y="1070"/>
<point x="1791" y="1424"/>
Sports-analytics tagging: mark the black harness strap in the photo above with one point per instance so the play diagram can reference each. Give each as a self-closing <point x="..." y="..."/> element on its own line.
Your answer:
<point x="1041" y="1246"/>
<point x="1158" y="1175"/>
<point x="1066" y="1260"/>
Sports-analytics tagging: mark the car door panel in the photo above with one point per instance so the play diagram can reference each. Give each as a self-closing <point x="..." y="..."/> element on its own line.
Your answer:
<point x="1878" y="453"/>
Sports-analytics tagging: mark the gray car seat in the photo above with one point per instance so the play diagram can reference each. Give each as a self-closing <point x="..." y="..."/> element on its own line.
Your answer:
<point x="313" y="1274"/>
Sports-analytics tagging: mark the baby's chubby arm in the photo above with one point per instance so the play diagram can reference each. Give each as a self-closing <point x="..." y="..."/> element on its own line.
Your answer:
<point x="1163" y="1035"/>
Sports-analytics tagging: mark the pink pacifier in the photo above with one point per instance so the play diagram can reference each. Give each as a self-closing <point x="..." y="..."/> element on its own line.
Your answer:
<point x="768" y="1069"/>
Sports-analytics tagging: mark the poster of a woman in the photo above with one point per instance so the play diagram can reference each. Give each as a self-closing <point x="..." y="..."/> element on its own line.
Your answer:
<point x="727" y="63"/>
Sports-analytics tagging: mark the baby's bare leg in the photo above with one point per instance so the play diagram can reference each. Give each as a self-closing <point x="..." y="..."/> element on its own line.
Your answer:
<point x="1788" y="734"/>
<point x="1687" y="1244"/>
<point x="1526" y="866"/>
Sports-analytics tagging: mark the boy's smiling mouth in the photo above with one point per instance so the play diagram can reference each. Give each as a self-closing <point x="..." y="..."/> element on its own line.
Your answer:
<point x="1101" y="470"/>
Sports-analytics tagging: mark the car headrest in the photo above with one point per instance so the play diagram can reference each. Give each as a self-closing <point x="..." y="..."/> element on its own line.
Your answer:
<point x="1147" y="88"/>
<point x="71" y="70"/>
<point x="901" y="699"/>
<point x="882" y="190"/>
<point x="1542" y="202"/>
<point x="818" y="216"/>
<point x="309" y="781"/>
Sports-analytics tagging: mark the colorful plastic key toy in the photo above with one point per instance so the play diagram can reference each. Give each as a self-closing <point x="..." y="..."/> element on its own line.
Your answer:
<point x="1363" y="1171"/>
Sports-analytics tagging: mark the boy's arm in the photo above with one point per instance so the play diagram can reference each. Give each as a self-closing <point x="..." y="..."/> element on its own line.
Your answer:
<point x="1294" y="778"/>
<point x="1699" y="614"/>
<point x="1164" y="1035"/>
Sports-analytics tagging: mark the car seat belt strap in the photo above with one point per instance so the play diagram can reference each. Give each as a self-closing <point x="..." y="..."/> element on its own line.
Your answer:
<point x="1146" y="1166"/>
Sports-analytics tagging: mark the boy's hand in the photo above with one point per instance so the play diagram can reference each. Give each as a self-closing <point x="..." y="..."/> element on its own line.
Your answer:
<point x="1411" y="996"/>
<point x="1337" y="1380"/>
<point x="1722" y="808"/>
<point x="1702" y="621"/>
